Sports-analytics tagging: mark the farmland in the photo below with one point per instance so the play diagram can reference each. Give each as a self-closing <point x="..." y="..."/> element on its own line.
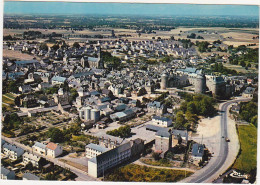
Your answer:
<point x="246" y="160"/>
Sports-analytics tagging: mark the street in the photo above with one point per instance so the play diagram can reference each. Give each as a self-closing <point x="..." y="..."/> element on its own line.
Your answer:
<point x="215" y="165"/>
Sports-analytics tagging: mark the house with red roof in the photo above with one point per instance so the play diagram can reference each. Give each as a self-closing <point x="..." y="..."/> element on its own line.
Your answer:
<point x="53" y="150"/>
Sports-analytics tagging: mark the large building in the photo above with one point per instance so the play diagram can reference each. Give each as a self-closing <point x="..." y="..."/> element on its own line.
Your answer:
<point x="195" y="77"/>
<point x="113" y="157"/>
<point x="99" y="164"/>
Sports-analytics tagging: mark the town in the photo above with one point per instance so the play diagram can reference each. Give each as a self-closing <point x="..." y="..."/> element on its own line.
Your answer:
<point x="94" y="107"/>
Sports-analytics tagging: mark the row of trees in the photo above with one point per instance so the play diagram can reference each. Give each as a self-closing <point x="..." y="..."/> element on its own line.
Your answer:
<point x="123" y="132"/>
<point x="248" y="112"/>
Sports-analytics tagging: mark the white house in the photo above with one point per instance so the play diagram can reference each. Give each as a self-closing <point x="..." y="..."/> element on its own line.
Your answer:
<point x="29" y="157"/>
<point x="161" y="121"/>
<point x="12" y="151"/>
<point x="39" y="148"/>
<point x="53" y="150"/>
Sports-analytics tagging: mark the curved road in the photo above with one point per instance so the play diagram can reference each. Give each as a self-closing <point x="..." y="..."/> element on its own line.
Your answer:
<point x="223" y="152"/>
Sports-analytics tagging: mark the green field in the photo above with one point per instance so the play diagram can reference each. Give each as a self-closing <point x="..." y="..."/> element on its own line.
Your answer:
<point x="7" y="100"/>
<point x="137" y="173"/>
<point x="246" y="160"/>
<point x="9" y="95"/>
<point x="239" y="68"/>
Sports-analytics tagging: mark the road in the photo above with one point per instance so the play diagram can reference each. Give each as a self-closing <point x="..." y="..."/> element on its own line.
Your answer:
<point x="213" y="168"/>
<point x="82" y="175"/>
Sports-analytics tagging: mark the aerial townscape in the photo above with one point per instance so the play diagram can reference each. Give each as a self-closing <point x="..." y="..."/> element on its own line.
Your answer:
<point x="93" y="95"/>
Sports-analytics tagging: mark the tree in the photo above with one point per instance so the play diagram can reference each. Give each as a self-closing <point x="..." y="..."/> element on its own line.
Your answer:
<point x="156" y="156"/>
<point x="29" y="166"/>
<point x="180" y="120"/>
<point x="76" y="45"/>
<point x="43" y="46"/>
<point x="56" y="135"/>
<point x="55" y="47"/>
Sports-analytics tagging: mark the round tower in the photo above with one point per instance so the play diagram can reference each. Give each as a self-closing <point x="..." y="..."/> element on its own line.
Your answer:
<point x="200" y="84"/>
<point x="95" y="115"/>
<point x="164" y="79"/>
<point x="87" y="113"/>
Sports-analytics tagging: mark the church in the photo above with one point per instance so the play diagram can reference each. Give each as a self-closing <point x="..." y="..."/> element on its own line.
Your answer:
<point x="92" y="62"/>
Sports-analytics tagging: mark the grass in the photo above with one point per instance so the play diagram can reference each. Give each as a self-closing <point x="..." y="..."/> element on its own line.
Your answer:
<point x="9" y="95"/>
<point x="76" y="165"/>
<point x="137" y="173"/>
<point x="246" y="160"/>
<point x="7" y="100"/>
<point x="157" y="163"/>
<point x="239" y="68"/>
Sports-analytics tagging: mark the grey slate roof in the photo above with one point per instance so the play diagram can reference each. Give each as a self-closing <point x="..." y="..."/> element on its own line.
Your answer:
<point x="4" y="171"/>
<point x="11" y="147"/>
<point x="97" y="147"/>
<point x="163" y="133"/>
<point x="197" y="150"/>
<point x="30" y="176"/>
<point x="155" y="128"/>
<point x="161" y="118"/>
<point x="40" y="145"/>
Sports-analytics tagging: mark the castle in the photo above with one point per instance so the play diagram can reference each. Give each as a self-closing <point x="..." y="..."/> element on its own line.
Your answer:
<point x="191" y="76"/>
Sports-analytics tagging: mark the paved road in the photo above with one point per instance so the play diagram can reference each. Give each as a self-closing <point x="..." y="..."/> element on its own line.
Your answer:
<point x="82" y="175"/>
<point x="211" y="170"/>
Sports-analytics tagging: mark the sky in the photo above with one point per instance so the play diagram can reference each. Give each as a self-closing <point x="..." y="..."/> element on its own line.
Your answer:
<point x="13" y="7"/>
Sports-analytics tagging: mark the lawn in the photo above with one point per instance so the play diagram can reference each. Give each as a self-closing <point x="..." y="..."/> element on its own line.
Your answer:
<point x="158" y="163"/>
<point x="246" y="160"/>
<point x="7" y="100"/>
<point x="137" y="173"/>
<point x="9" y="95"/>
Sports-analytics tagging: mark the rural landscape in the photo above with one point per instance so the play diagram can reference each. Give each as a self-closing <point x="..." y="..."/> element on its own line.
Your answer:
<point x="95" y="92"/>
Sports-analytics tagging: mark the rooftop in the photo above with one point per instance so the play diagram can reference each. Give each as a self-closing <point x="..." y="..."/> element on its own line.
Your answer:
<point x="97" y="147"/>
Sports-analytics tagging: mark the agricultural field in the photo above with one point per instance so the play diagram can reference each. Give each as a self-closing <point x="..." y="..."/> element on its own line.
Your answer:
<point x="137" y="173"/>
<point x="239" y="68"/>
<point x="246" y="160"/>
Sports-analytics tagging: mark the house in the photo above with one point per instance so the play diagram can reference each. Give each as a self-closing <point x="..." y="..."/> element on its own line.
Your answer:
<point x="53" y="150"/>
<point x="44" y="85"/>
<point x="249" y="92"/>
<point x="13" y="152"/>
<point x="92" y="150"/>
<point x="58" y="80"/>
<point x="7" y="174"/>
<point x="25" y="89"/>
<point x="156" y="108"/>
<point x="39" y="148"/>
<point x="29" y="157"/>
<point x="161" y="121"/>
<point x="30" y="176"/>
<point x="197" y="153"/>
